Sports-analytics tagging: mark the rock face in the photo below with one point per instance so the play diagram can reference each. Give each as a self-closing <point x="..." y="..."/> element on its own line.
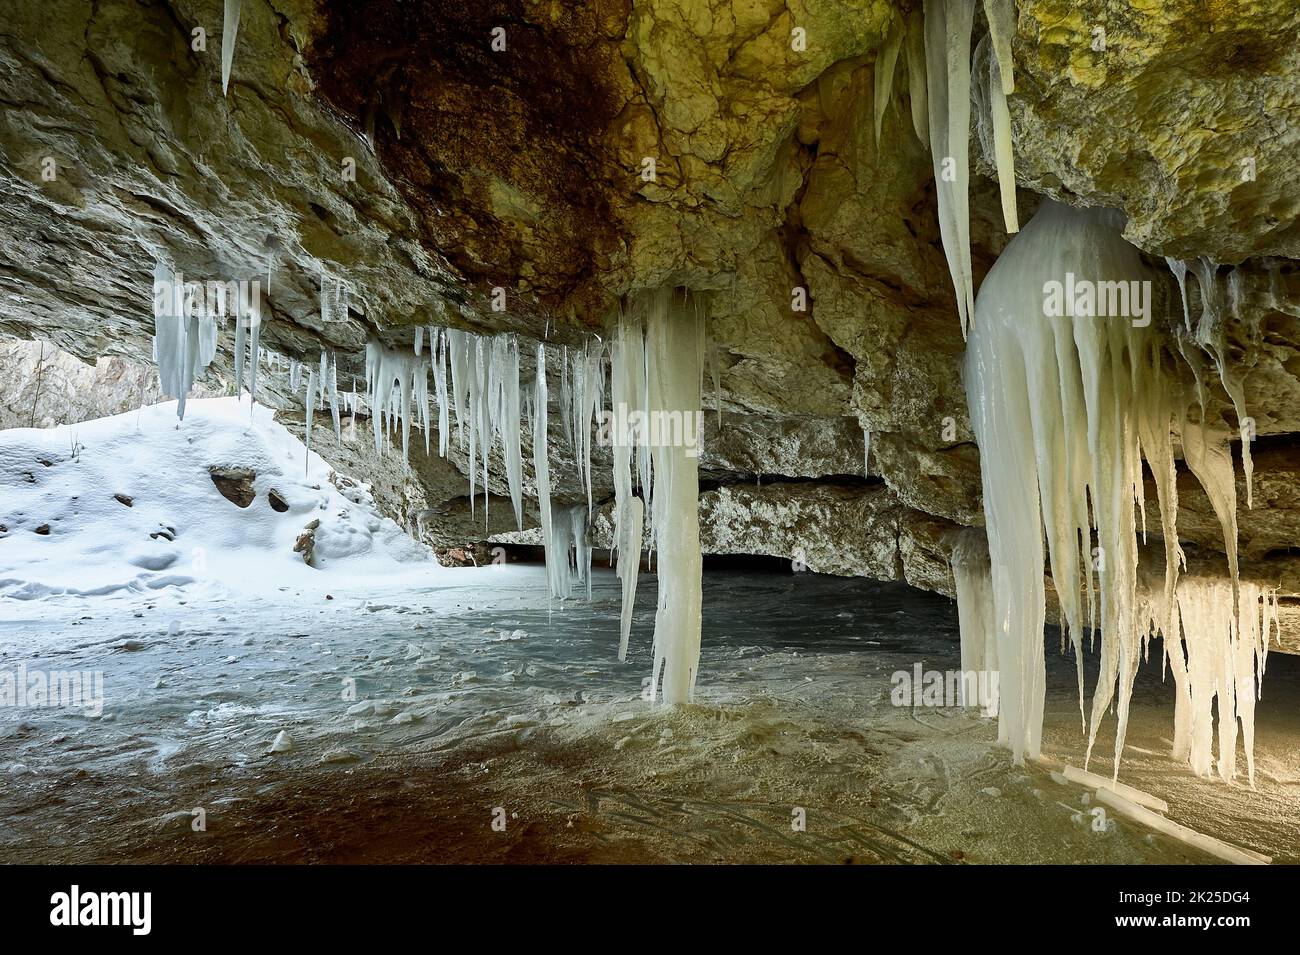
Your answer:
<point x="435" y="160"/>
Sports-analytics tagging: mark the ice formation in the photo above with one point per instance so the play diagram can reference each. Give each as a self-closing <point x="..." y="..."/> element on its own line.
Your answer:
<point x="1064" y="407"/>
<point x="914" y="45"/>
<point x="185" y="335"/>
<point x="628" y="390"/>
<point x="974" y="579"/>
<point x="674" y="350"/>
<point x="992" y="97"/>
<point x="947" y="54"/>
<point x="229" y="31"/>
<point x="1216" y="655"/>
<point x="886" y="64"/>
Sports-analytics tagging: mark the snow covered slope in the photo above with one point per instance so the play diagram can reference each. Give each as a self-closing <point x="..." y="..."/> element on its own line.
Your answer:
<point x="130" y="502"/>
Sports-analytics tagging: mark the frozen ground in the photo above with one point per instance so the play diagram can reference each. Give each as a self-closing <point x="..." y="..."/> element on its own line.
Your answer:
<point x="415" y="701"/>
<point x="472" y="694"/>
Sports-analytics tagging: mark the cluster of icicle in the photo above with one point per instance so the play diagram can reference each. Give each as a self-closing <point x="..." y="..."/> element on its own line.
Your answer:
<point x="476" y="380"/>
<point x="1217" y="657"/>
<point x="1065" y="409"/>
<point x="185" y="336"/>
<point x="186" y="332"/>
<point x="936" y="41"/>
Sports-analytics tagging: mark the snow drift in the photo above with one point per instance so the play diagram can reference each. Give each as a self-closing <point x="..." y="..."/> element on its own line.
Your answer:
<point x="130" y="502"/>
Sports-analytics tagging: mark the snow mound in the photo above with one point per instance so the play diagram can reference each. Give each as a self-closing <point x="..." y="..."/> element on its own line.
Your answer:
<point x="137" y="502"/>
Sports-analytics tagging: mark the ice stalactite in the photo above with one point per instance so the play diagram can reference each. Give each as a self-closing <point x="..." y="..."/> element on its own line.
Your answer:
<point x="484" y="389"/>
<point x="914" y="47"/>
<point x="866" y="452"/>
<point x="1001" y="15"/>
<point x="1217" y="657"/>
<point x="947" y="52"/>
<point x="438" y="354"/>
<point x="311" y="415"/>
<point x="992" y="98"/>
<point x="386" y="368"/>
<point x="628" y="394"/>
<point x="973" y="576"/>
<point x="885" y="66"/>
<point x="229" y="31"/>
<point x="1067" y="391"/>
<point x="185" y="335"/>
<point x="556" y="563"/>
<point x="334" y="397"/>
<point x="508" y="418"/>
<point x="674" y="349"/>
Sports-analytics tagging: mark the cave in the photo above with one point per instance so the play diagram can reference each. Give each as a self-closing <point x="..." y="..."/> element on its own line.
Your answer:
<point x="650" y="432"/>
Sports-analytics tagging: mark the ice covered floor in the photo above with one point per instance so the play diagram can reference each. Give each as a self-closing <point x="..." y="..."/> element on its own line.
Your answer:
<point x="471" y="695"/>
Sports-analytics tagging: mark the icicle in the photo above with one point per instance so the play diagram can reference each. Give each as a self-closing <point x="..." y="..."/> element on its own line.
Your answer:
<point x="914" y="45"/>
<point x="184" y="335"/>
<point x="254" y="360"/>
<point x="1047" y="395"/>
<point x="295" y="374"/>
<point x="229" y="30"/>
<point x="419" y="339"/>
<point x="508" y="428"/>
<point x="241" y="347"/>
<point x="1001" y="15"/>
<point x="627" y="384"/>
<point x="1000" y="119"/>
<point x="311" y="396"/>
<point x="885" y="66"/>
<point x="334" y="398"/>
<point x="674" y="359"/>
<point x="542" y="475"/>
<point x="947" y="43"/>
<point x="866" y="452"/>
<point x="979" y="648"/>
<point x="439" y="350"/>
<point x="1217" y="657"/>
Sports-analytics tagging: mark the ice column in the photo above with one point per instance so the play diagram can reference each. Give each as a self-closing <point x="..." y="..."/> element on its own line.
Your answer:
<point x="674" y="345"/>
<point x="979" y="648"/>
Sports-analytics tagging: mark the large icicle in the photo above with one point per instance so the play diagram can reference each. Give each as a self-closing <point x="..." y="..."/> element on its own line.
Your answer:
<point x="947" y="48"/>
<point x="993" y="95"/>
<point x="627" y="393"/>
<point x="1001" y="15"/>
<point x="1063" y="403"/>
<point x="914" y="46"/>
<point x="557" y="561"/>
<point x="674" y="364"/>
<point x="185" y="335"/>
<point x="229" y="31"/>
<point x="885" y="66"/>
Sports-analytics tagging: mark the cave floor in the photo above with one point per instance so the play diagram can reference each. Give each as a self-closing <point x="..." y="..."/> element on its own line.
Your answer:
<point x="475" y="724"/>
